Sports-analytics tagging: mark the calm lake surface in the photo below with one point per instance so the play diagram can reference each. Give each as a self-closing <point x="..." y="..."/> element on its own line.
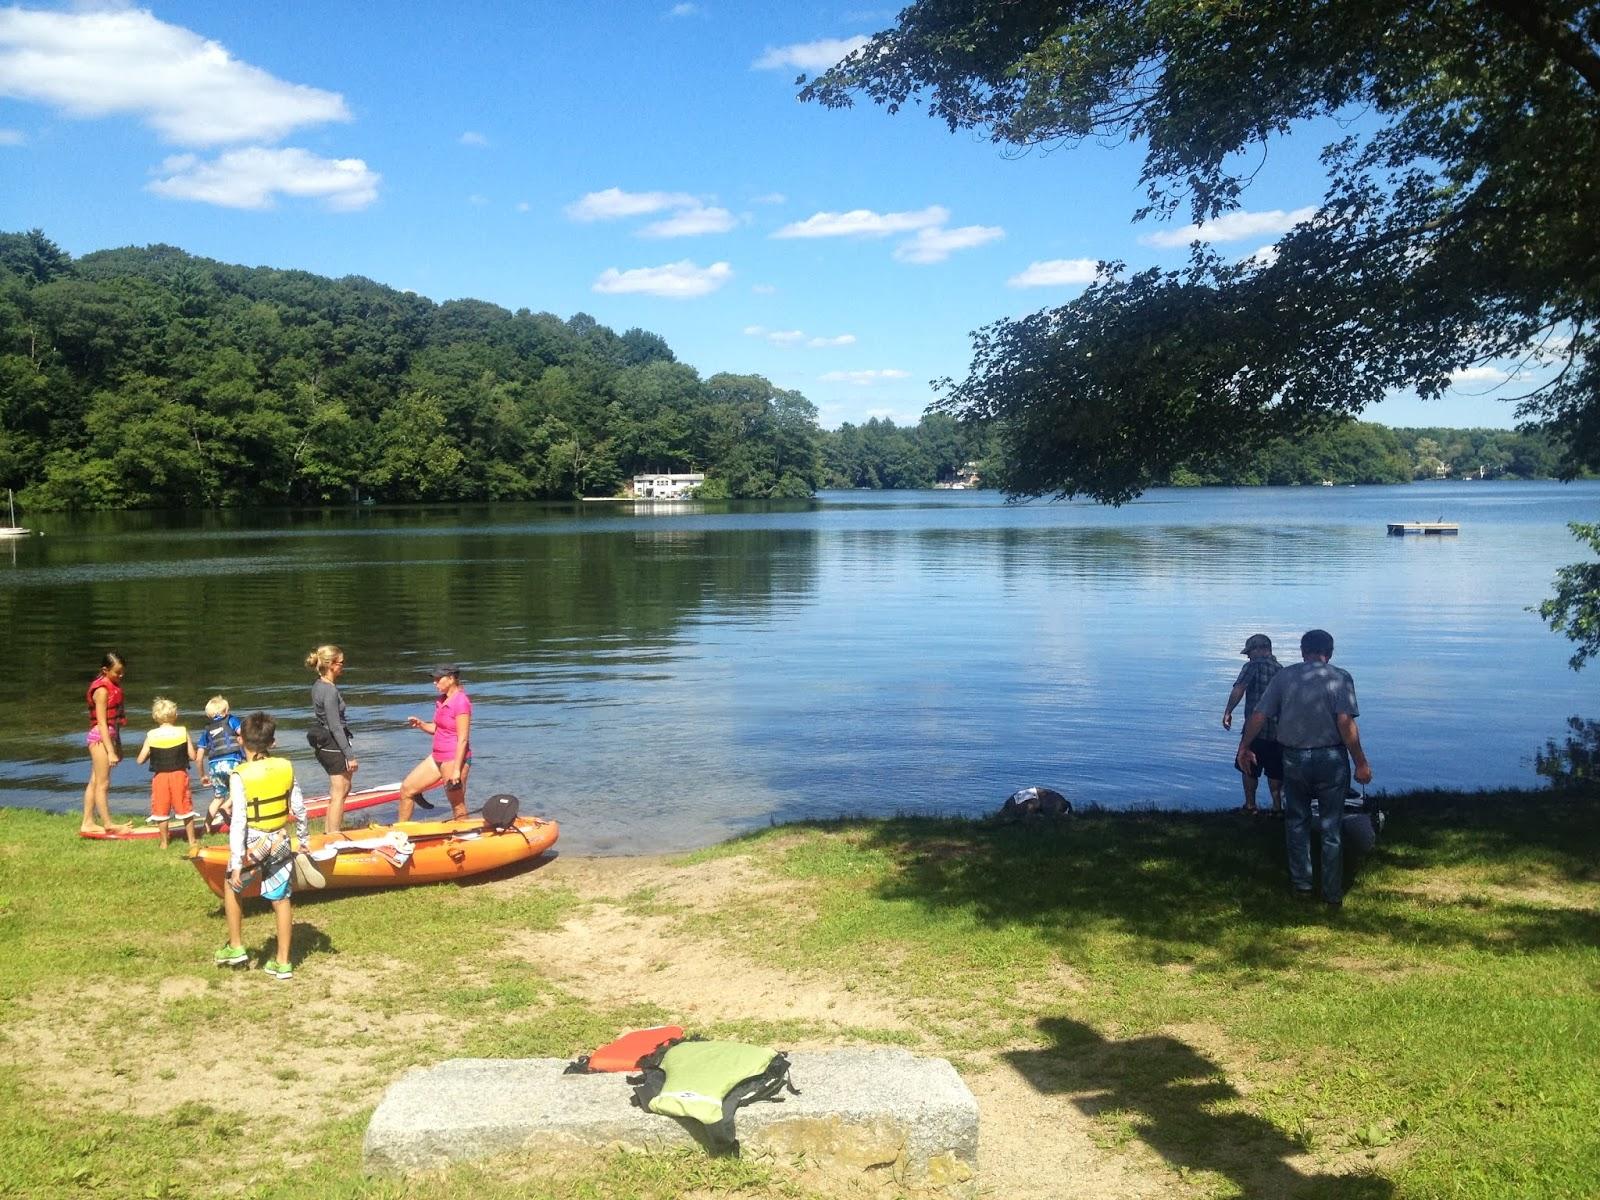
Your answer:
<point x="659" y="677"/>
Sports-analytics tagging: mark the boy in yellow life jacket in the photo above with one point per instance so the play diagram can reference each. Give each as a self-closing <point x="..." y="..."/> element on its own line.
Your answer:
<point x="263" y="796"/>
<point x="169" y="751"/>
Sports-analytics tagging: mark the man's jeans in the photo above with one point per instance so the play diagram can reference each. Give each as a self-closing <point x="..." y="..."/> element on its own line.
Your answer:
<point x="1321" y="774"/>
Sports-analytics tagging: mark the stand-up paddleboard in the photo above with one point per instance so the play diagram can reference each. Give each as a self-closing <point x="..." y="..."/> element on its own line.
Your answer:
<point x="316" y="809"/>
<point x="398" y="855"/>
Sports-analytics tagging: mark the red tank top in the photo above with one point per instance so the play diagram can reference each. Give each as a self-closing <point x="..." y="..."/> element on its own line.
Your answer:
<point x="115" y="718"/>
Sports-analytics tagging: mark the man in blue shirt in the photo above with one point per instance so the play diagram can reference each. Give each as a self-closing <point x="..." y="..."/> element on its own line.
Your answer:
<point x="1314" y="704"/>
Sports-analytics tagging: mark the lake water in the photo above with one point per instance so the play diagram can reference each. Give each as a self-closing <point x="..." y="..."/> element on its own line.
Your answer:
<point x="660" y="677"/>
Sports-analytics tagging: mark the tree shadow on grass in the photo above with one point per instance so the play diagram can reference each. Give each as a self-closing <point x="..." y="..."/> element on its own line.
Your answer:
<point x="1172" y="1097"/>
<point x="1212" y="887"/>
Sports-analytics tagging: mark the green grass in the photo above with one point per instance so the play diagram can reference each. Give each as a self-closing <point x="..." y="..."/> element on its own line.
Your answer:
<point x="1437" y="1038"/>
<point x="1444" y="1026"/>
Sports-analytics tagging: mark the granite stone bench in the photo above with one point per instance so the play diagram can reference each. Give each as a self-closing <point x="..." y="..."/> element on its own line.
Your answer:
<point x="858" y="1111"/>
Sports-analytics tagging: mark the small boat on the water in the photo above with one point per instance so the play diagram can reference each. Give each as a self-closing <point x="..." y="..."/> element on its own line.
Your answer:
<point x="13" y="529"/>
<point x="396" y="855"/>
<point x="1427" y="528"/>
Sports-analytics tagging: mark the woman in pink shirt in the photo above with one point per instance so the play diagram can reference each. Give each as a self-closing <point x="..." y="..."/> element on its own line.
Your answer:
<point x="451" y="756"/>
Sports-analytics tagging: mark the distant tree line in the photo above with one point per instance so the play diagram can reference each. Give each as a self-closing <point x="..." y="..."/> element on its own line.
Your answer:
<point x="143" y="378"/>
<point x="1365" y="452"/>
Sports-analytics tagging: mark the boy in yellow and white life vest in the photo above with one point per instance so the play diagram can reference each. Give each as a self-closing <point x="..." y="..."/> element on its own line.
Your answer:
<point x="263" y="796"/>
<point x="169" y="750"/>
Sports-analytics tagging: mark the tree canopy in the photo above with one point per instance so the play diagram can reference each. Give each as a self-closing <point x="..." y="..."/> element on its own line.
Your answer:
<point x="1463" y="229"/>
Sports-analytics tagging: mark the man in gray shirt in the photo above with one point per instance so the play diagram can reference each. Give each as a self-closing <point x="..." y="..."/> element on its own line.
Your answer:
<point x="1314" y="704"/>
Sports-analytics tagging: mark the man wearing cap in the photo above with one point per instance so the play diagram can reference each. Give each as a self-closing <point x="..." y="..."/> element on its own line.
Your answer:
<point x="1250" y="685"/>
<point x="1314" y="704"/>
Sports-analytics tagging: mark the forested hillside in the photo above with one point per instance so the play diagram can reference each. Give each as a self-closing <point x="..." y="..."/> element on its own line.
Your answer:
<point x="140" y="378"/>
<point x="149" y="377"/>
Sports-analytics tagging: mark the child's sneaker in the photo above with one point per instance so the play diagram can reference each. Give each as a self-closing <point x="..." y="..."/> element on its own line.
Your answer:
<point x="279" y="970"/>
<point x="231" y="956"/>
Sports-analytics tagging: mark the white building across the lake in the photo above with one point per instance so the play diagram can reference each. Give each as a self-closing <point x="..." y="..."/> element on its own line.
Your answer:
<point x="666" y="487"/>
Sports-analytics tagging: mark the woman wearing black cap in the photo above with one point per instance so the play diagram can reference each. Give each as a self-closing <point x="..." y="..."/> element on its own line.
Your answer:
<point x="451" y="756"/>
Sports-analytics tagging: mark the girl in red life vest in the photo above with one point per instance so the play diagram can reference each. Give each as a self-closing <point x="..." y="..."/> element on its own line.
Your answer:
<point x="104" y="740"/>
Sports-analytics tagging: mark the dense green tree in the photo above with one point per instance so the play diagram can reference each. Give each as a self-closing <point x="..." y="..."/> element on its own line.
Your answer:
<point x="1460" y="230"/>
<point x="1575" y="608"/>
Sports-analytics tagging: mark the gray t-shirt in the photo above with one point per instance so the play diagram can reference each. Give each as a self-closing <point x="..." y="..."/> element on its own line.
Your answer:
<point x="1306" y="698"/>
<point x="327" y="706"/>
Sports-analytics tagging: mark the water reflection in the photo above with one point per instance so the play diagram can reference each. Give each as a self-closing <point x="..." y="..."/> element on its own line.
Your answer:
<point x="657" y="676"/>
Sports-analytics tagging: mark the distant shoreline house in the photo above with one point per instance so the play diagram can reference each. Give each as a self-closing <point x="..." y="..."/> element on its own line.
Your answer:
<point x="666" y="487"/>
<point x="966" y="477"/>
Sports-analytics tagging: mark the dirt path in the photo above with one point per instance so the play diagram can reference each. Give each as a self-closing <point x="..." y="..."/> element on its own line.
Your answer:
<point x="1033" y="1146"/>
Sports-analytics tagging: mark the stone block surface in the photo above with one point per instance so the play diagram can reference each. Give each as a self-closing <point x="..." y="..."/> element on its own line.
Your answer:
<point x="859" y="1110"/>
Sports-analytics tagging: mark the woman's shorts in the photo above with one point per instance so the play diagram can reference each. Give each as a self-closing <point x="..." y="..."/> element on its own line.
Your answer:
<point x="444" y="764"/>
<point x="329" y="756"/>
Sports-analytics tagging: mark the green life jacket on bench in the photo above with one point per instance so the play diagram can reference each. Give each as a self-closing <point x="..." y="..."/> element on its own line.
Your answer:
<point x="708" y="1081"/>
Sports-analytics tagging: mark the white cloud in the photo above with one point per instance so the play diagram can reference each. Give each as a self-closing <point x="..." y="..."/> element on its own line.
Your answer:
<point x="473" y="138"/>
<point x="808" y="56"/>
<point x="1232" y="227"/>
<point x="936" y="245"/>
<point x="763" y="289"/>
<point x="794" y="337"/>
<point x="524" y="206"/>
<point x="771" y="198"/>
<point x="254" y="176"/>
<point x="186" y="87"/>
<point x="1055" y="272"/>
<point x="1261" y="256"/>
<point x="865" y="378"/>
<point x="684" y="10"/>
<point x="12" y="137"/>
<point x="477" y="199"/>
<point x="863" y="222"/>
<point x="677" y="281"/>
<point x="614" y="204"/>
<point x="691" y="222"/>
<point x="1477" y="375"/>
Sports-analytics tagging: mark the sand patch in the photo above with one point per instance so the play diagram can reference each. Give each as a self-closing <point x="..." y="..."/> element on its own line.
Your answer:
<point x="611" y="955"/>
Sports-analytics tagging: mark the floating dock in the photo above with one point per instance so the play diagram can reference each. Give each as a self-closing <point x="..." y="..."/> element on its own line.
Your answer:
<point x="1428" y="528"/>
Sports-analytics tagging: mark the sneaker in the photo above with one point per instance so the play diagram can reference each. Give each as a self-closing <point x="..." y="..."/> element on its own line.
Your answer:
<point x="279" y="970"/>
<point x="230" y="956"/>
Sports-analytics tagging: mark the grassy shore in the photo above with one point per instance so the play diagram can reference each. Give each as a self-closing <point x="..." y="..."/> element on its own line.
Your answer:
<point x="1138" y="1004"/>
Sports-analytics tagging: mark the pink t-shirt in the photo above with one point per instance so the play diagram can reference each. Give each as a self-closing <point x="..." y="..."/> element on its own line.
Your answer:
<point x="445" y="715"/>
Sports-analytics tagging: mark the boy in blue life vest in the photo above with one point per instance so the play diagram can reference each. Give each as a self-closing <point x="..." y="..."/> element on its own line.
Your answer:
<point x="262" y="796"/>
<point x="220" y="752"/>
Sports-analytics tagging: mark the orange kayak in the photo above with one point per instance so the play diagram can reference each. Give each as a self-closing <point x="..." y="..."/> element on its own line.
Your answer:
<point x="430" y="852"/>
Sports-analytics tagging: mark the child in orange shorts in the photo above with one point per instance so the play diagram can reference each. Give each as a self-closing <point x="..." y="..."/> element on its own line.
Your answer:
<point x="169" y="751"/>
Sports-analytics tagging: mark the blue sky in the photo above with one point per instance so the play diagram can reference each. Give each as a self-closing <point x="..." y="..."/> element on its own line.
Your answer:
<point x="646" y="163"/>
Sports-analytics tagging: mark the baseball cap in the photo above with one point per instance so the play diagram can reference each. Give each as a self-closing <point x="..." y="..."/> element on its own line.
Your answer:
<point x="1256" y="641"/>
